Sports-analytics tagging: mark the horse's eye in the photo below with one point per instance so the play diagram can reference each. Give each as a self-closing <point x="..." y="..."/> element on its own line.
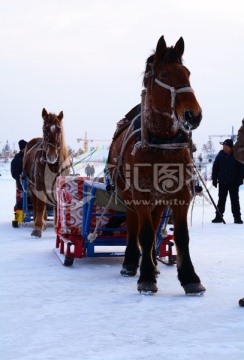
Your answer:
<point x="163" y="74"/>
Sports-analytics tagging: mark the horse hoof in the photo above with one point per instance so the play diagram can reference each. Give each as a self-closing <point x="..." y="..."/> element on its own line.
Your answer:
<point x="147" y="287"/>
<point x="194" y="289"/>
<point x="36" y="233"/>
<point x="128" y="271"/>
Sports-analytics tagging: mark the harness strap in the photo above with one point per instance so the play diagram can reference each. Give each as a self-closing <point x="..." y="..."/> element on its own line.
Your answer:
<point x="172" y="146"/>
<point x="144" y="131"/>
<point x="174" y="91"/>
<point x="92" y="236"/>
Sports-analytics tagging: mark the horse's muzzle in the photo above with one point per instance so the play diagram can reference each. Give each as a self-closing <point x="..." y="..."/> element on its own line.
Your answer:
<point x="52" y="159"/>
<point x="192" y="119"/>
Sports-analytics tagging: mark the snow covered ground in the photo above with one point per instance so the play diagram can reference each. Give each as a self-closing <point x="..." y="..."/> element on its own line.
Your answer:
<point x="90" y="312"/>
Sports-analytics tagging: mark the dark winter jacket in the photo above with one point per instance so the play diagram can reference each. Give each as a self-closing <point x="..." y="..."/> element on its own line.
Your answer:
<point x="227" y="170"/>
<point x="16" y="168"/>
<point x="239" y="145"/>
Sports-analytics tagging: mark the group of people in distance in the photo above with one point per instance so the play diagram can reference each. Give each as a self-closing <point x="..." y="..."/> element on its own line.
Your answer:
<point x="90" y="171"/>
<point x="227" y="175"/>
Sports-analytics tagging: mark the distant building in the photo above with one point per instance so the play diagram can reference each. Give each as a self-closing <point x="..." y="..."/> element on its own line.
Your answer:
<point x="6" y="151"/>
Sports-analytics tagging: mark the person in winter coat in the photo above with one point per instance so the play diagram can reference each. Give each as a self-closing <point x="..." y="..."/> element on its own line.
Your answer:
<point x="239" y="145"/>
<point x="92" y="171"/>
<point x="16" y="171"/>
<point x="88" y="170"/>
<point x="228" y="173"/>
<point x="239" y="155"/>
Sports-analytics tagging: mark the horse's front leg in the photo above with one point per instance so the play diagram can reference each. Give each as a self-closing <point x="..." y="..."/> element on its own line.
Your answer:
<point x="132" y="252"/>
<point x="186" y="273"/>
<point x="39" y="221"/>
<point x="147" y="280"/>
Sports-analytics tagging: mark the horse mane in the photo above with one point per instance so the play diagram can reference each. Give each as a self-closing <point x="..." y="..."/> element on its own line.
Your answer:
<point x="170" y="56"/>
<point x="64" y="154"/>
<point x="148" y="69"/>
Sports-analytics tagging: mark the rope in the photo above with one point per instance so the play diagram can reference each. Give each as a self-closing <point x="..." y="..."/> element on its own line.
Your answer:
<point x="92" y="236"/>
<point x="144" y="130"/>
<point x="212" y="200"/>
<point x="78" y="162"/>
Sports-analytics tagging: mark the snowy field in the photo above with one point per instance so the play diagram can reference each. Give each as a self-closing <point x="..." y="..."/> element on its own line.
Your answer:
<point x="90" y="312"/>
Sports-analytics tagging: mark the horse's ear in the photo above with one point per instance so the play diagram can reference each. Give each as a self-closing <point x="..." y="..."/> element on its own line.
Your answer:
<point x="180" y="46"/>
<point x="161" y="47"/>
<point x="61" y="115"/>
<point x="44" y="113"/>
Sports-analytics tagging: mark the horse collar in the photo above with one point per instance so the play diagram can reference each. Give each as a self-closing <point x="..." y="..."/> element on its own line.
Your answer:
<point x="179" y="138"/>
<point x="152" y="142"/>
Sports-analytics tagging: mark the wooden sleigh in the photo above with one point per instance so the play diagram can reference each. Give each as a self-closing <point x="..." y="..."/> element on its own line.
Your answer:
<point x="89" y="224"/>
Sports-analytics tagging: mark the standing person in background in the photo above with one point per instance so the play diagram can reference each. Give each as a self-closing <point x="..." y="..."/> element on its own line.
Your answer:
<point x="228" y="173"/>
<point x="88" y="170"/>
<point x="92" y="170"/>
<point x="239" y="155"/>
<point x="16" y="171"/>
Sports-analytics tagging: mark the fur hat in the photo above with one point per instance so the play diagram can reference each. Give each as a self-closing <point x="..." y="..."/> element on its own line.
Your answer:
<point x="227" y="142"/>
<point x="22" y="144"/>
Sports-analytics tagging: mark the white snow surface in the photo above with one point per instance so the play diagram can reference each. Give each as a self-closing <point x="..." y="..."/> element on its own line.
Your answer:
<point x="90" y="312"/>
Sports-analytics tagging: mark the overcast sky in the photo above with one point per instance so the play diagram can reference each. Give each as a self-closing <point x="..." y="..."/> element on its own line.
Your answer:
<point x="86" y="58"/>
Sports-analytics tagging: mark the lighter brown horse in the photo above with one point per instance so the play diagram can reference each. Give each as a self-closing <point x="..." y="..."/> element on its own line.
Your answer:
<point x="45" y="158"/>
<point x="150" y="166"/>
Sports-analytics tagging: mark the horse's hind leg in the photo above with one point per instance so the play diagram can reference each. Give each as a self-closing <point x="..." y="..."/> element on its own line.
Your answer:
<point x="132" y="252"/>
<point x="186" y="273"/>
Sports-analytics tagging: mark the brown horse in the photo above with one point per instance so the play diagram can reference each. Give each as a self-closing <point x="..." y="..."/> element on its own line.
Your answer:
<point x="45" y="158"/>
<point x="150" y="166"/>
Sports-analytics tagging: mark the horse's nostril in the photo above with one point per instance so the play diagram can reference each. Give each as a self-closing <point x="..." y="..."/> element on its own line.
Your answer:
<point x="192" y="119"/>
<point x="189" y="116"/>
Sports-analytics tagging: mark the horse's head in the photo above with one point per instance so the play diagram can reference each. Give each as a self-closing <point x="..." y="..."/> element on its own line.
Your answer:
<point x="168" y="87"/>
<point x="52" y="135"/>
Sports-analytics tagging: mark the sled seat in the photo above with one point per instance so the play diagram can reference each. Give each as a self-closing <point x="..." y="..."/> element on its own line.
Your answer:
<point x="109" y="224"/>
